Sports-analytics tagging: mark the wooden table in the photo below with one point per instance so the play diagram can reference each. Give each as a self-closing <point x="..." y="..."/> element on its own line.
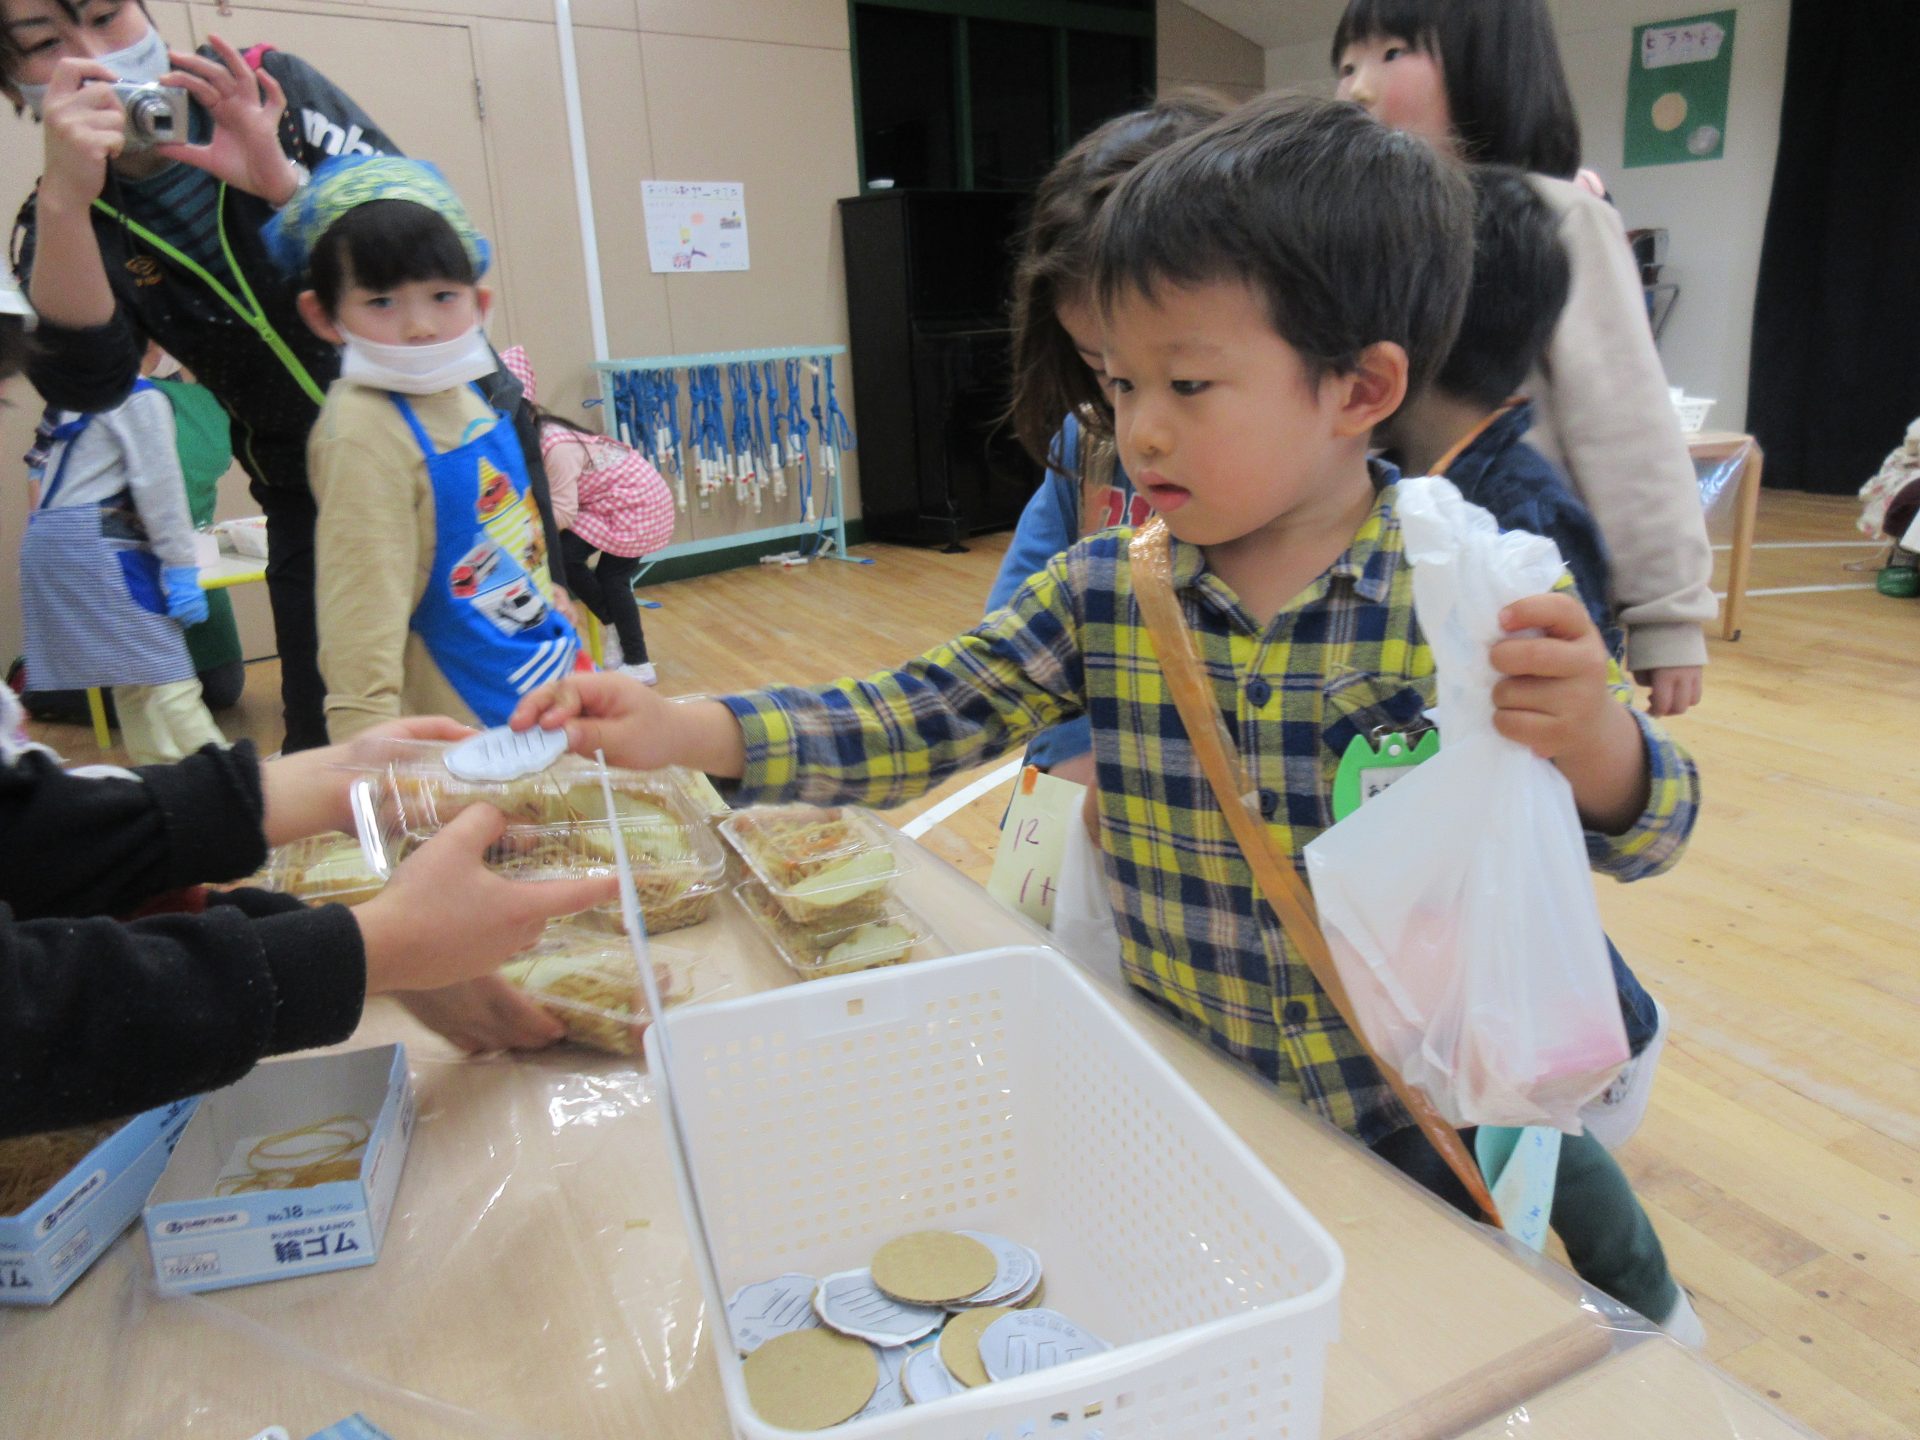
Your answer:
<point x="1713" y="446"/>
<point x="536" y="1272"/>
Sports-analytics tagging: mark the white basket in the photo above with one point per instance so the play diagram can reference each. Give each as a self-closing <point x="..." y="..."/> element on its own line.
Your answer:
<point x="1693" y="411"/>
<point x="999" y="1091"/>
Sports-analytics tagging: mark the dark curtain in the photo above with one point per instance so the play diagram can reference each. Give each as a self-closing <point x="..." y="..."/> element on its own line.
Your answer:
<point x="1836" y="321"/>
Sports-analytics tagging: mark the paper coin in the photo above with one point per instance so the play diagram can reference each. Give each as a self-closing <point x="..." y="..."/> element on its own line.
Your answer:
<point x="927" y="1378"/>
<point x="810" y="1379"/>
<point x="1029" y="1340"/>
<point x="891" y="1394"/>
<point x="1017" y="1269"/>
<point x="960" y="1344"/>
<point x="501" y="754"/>
<point x="779" y="1306"/>
<point x="1670" y="111"/>
<point x="852" y="1304"/>
<point x="932" y="1267"/>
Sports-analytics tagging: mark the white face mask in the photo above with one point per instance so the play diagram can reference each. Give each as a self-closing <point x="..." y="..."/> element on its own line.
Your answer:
<point x="141" y="62"/>
<point x="417" y="369"/>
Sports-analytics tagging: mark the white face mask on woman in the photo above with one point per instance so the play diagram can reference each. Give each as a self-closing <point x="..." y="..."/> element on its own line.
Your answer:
<point x="141" y="62"/>
<point x="417" y="369"/>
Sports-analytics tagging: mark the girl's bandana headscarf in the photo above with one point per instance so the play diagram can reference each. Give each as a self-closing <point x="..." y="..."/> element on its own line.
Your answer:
<point x="350" y="181"/>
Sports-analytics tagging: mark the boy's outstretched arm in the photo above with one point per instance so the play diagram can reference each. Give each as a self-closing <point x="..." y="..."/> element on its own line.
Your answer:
<point x="1558" y="700"/>
<point x="636" y="726"/>
<point x="876" y="740"/>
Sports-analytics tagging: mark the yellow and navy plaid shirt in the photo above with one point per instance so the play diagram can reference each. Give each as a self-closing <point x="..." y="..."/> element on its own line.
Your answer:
<point x="1345" y="658"/>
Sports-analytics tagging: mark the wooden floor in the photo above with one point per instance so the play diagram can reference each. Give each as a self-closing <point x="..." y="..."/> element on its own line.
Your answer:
<point x="1781" y="1159"/>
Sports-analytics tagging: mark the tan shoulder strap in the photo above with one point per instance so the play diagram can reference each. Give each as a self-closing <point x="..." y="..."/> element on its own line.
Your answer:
<point x="1152" y="567"/>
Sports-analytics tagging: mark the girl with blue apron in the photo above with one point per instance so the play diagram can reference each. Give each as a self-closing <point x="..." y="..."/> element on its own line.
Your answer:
<point x="487" y="614"/>
<point x="90" y="591"/>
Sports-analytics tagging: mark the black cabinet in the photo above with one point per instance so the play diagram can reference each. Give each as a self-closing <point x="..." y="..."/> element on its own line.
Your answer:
<point x="928" y="274"/>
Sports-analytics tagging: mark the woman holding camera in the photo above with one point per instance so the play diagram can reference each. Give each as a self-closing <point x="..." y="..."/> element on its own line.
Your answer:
<point x="129" y="239"/>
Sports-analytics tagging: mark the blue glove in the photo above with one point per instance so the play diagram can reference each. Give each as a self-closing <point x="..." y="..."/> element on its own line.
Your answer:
<point x="186" y="601"/>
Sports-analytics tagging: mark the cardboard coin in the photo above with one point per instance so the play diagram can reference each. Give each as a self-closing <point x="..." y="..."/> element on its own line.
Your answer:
<point x="773" y="1307"/>
<point x="927" y="1378"/>
<point x="852" y="1304"/>
<point x="933" y="1267"/>
<point x="891" y="1394"/>
<point x="1017" y="1267"/>
<point x="960" y="1343"/>
<point x="1028" y="1340"/>
<point x="810" y="1379"/>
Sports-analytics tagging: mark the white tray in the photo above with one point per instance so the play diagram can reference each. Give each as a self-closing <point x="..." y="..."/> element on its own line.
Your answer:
<point x="999" y="1091"/>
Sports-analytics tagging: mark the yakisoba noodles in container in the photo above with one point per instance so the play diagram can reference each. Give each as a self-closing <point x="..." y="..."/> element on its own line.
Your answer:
<point x="814" y="950"/>
<point x="327" y="869"/>
<point x="557" y="826"/>
<point x="823" y="867"/>
<point x="588" y="981"/>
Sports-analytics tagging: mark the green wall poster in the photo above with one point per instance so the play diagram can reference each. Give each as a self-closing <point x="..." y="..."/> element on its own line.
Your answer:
<point x="1677" y="90"/>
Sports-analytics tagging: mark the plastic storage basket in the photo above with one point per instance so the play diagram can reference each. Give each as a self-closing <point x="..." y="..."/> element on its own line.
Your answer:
<point x="999" y="1091"/>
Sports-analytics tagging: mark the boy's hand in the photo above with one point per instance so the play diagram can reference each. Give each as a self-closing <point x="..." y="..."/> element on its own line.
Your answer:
<point x="636" y="727"/>
<point x="1672" y="689"/>
<point x="1555" y="700"/>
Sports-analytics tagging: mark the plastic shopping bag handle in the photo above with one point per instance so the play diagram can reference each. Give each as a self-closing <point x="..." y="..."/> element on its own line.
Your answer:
<point x="1152" y="567"/>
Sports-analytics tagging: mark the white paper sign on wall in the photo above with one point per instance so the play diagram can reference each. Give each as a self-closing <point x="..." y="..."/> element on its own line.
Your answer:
<point x="695" y="225"/>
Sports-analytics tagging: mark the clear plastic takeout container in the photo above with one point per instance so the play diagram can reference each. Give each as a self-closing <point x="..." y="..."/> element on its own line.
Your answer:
<point x="814" y="951"/>
<point x="588" y="981"/>
<point x="557" y="827"/>
<point x="821" y="865"/>
<point x="329" y="869"/>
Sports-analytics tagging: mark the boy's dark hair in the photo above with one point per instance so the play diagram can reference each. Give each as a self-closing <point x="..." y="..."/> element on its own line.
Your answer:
<point x="13" y="345"/>
<point x="1521" y="276"/>
<point x="1506" y="86"/>
<point x="382" y="244"/>
<point x="1050" y="379"/>
<point x="11" y="58"/>
<point x="1350" y="233"/>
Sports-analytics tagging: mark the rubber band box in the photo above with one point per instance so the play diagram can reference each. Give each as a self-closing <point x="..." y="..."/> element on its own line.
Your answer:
<point x="50" y="1244"/>
<point x="202" y="1239"/>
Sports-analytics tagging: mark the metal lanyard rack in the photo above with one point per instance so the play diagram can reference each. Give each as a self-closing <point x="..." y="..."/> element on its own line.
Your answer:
<point x="783" y="428"/>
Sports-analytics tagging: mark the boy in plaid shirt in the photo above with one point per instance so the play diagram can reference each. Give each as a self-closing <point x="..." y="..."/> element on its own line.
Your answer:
<point x="1272" y="288"/>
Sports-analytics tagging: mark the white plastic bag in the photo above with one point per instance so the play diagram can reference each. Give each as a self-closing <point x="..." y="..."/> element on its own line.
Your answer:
<point x="1457" y="902"/>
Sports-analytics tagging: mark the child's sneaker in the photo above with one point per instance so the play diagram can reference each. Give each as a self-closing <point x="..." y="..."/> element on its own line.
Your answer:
<point x="647" y="675"/>
<point x="1615" y="1113"/>
<point x="1683" y="1323"/>
<point x="609" y="649"/>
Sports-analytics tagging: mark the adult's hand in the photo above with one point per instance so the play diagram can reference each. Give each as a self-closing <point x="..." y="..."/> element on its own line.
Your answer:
<point x="85" y="128"/>
<point x="246" y="106"/>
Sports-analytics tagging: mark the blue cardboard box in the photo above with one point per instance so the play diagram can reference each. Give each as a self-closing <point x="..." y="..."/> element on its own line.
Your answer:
<point x="50" y="1244"/>
<point x="202" y="1240"/>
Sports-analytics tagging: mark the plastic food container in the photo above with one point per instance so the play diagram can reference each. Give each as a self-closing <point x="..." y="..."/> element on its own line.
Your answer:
<point x="327" y="869"/>
<point x="245" y="537"/>
<point x="1000" y="1091"/>
<point x="813" y="951"/>
<point x="588" y="981"/>
<point x="823" y="866"/>
<point x="556" y="827"/>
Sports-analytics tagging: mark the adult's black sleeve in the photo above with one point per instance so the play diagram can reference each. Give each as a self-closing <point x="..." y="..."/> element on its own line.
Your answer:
<point x="79" y="845"/>
<point x="100" y="1019"/>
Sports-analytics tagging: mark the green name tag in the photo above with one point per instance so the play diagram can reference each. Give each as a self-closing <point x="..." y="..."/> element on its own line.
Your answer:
<point x="1365" y="771"/>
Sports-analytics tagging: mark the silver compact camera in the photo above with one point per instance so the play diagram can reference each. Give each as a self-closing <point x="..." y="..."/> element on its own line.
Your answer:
<point x="156" y="113"/>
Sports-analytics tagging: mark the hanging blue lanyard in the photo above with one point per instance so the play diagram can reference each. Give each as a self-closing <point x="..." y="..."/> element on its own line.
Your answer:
<point x="837" y="428"/>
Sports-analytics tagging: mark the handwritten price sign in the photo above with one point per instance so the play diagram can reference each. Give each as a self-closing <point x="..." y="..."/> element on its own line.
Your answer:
<point x="1026" y="867"/>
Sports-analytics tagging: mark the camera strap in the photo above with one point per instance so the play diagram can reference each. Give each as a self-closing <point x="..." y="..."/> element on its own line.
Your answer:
<point x="251" y="312"/>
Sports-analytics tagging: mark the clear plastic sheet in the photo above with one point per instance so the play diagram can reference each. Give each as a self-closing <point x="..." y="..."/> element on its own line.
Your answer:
<point x="536" y="1283"/>
<point x="1717" y="468"/>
